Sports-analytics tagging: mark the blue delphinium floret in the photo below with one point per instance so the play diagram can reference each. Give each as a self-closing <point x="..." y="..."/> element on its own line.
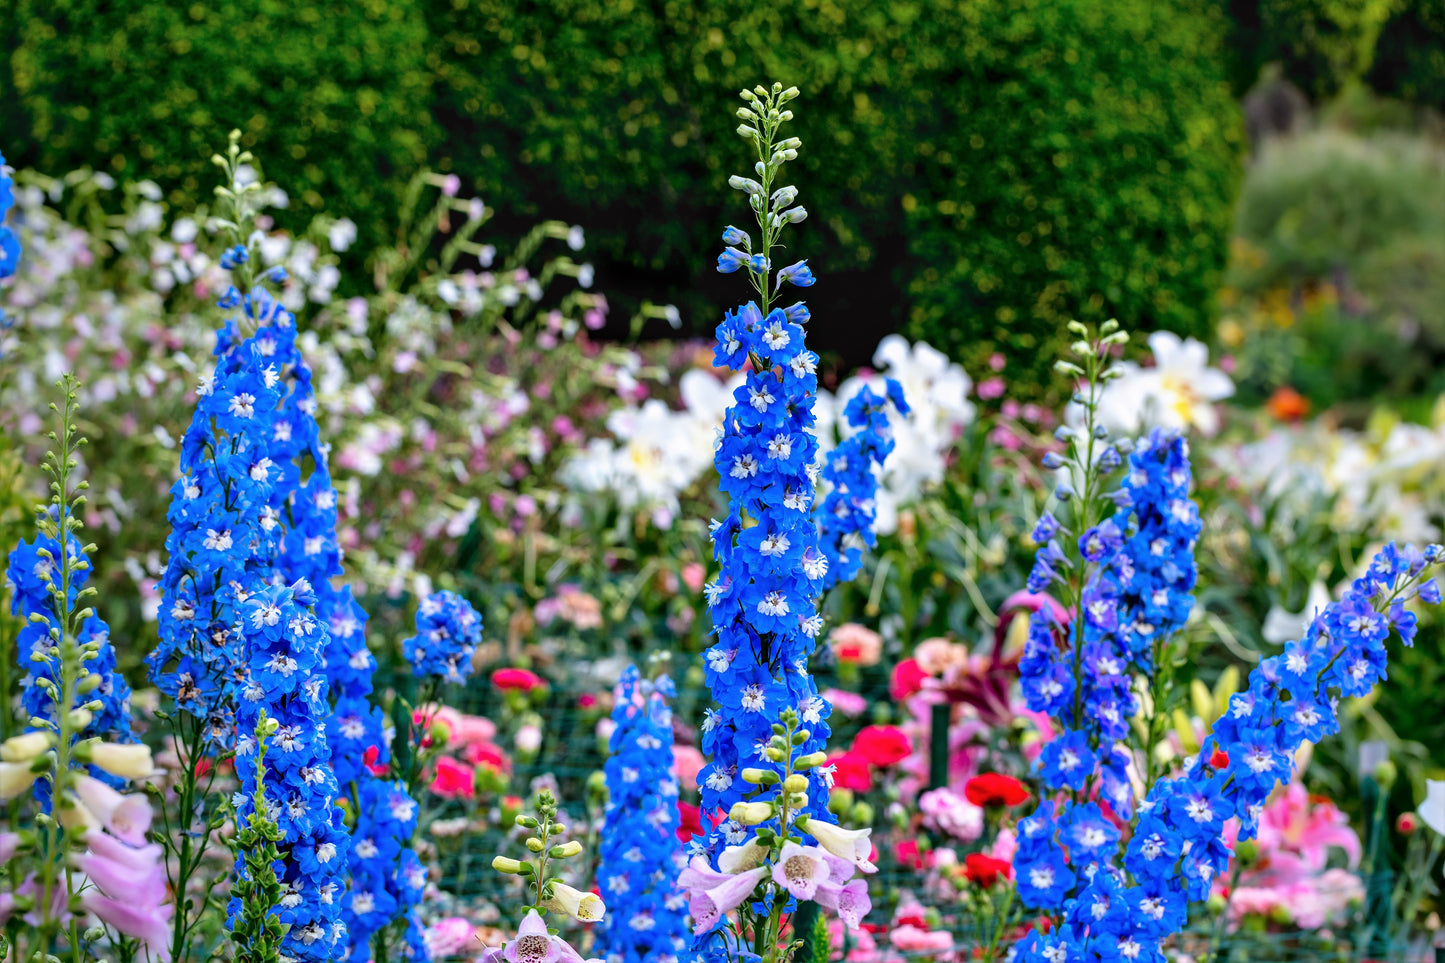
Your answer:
<point x="848" y="512"/>
<point x="447" y="632"/>
<point x="282" y="643"/>
<point x="640" y="855"/>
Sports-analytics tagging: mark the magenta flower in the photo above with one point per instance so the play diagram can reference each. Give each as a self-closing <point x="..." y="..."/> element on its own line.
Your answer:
<point x="1296" y="833"/>
<point x="708" y="906"/>
<point x="800" y="870"/>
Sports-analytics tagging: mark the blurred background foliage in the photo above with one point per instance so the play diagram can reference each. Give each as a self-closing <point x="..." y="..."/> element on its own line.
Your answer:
<point x="978" y="169"/>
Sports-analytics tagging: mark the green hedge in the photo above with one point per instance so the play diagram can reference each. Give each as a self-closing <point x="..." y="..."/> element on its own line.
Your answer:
<point x="1322" y="45"/>
<point x="1079" y="160"/>
<point x="333" y="94"/>
<point x="978" y="169"/>
<point x="1002" y="166"/>
<point x="1410" y="60"/>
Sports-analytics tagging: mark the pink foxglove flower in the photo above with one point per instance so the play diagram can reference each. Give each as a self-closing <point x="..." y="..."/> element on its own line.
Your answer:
<point x="849" y="901"/>
<point x="800" y="869"/>
<point x="708" y="906"/>
<point x="129" y="890"/>
<point x="128" y="818"/>
<point x="699" y="874"/>
<point x="534" y="944"/>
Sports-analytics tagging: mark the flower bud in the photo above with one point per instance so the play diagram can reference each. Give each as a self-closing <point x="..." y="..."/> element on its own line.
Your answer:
<point x="789" y="94"/>
<point x="1407" y="823"/>
<point x="795" y="783"/>
<point x="784" y="196"/>
<point x="750" y="133"/>
<point x="760" y="777"/>
<point x="534" y="844"/>
<point x="798" y="800"/>
<point x="127" y="762"/>
<point x="774" y="754"/>
<point x="810" y="760"/>
<point x="526" y="822"/>
<point x="15" y="778"/>
<point x="801" y="736"/>
<point x="568" y="849"/>
<point x="504" y="864"/>
<point x="25" y="747"/>
<point x="795" y="215"/>
<point x="750" y="813"/>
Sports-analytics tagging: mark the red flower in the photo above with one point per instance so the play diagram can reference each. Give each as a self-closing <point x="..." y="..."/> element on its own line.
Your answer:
<point x="368" y="759"/>
<point x="908" y="678"/>
<point x="995" y="789"/>
<point x="1220" y="759"/>
<point x="689" y="822"/>
<point x="907" y="852"/>
<point x="520" y="679"/>
<point x="486" y="753"/>
<point x="985" y="870"/>
<point x="852" y="772"/>
<point x="882" y="745"/>
<point x="453" y="779"/>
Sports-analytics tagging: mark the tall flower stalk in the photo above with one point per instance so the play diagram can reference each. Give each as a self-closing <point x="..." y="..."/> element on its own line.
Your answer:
<point x="1122" y="559"/>
<point x="74" y="699"/>
<point x="766" y="784"/>
<point x="763" y="601"/>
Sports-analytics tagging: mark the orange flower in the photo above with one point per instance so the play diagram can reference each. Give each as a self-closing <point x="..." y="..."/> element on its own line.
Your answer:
<point x="1286" y="404"/>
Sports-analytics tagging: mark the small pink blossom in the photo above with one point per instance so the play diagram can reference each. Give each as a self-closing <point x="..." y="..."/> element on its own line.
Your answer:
<point x="911" y="939"/>
<point x="449" y="936"/>
<point x="948" y="812"/>
<point x="850" y="704"/>
<point x="687" y="762"/>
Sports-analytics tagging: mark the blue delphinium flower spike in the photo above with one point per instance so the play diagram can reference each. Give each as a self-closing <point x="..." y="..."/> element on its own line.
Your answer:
<point x="640" y="856"/>
<point x="848" y="512"/>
